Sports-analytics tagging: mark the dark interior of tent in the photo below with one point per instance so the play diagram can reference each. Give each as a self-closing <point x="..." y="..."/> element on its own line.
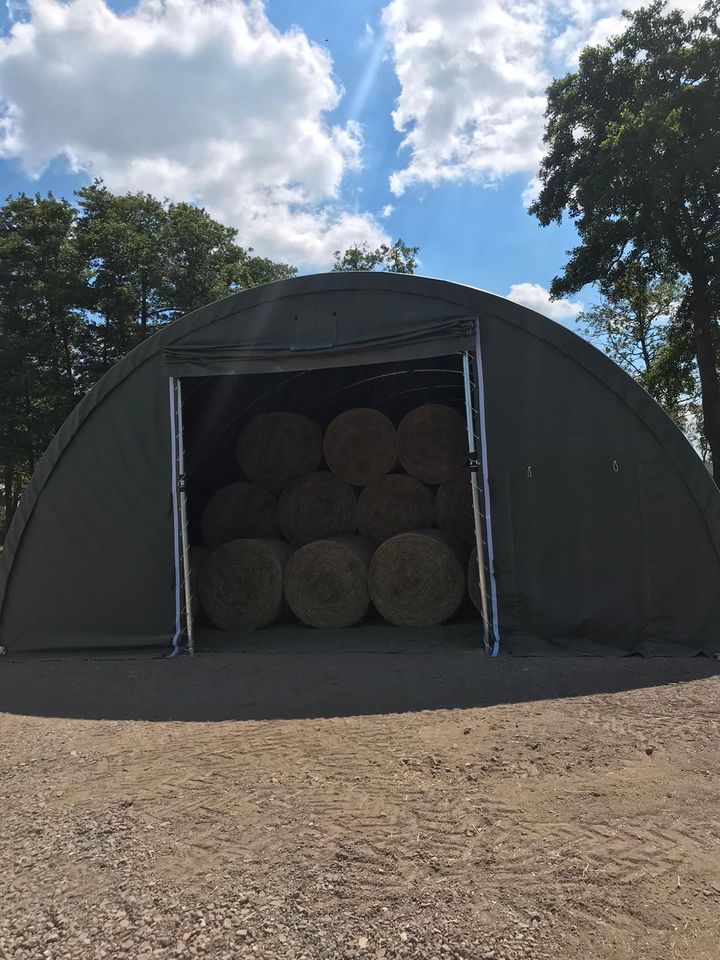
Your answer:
<point x="215" y="410"/>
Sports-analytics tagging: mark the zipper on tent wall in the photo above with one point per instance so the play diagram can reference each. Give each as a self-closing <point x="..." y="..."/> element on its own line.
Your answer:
<point x="484" y="466"/>
<point x="183" y="592"/>
<point x="477" y="514"/>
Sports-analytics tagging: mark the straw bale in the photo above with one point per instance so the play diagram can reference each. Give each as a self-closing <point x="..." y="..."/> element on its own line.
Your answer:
<point x="360" y="445"/>
<point x="316" y="506"/>
<point x="238" y="511"/>
<point x="242" y="587"/>
<point x="326" y="582"/>
<point x="418" y="579"/>
<point x="274" y="448"/>
<point x="198" y="557"/>
<point x="474" y="581"/>
<point x="432" y="442"/>
<point x="394" y="504"/>
<point x="454" y="507"/>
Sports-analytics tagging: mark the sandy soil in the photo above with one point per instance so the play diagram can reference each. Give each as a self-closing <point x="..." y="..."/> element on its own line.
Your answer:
<point x="525" y="823"/>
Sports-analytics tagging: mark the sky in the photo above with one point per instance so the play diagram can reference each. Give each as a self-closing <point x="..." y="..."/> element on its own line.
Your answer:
<point x="309" y="125"/>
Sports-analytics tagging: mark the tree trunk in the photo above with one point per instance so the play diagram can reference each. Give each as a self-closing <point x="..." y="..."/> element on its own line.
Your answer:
<point x="701" y="315"/>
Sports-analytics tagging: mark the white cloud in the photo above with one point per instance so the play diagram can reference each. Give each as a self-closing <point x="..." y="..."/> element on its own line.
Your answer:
<point x="206" y="102"/>
<point x="472" y="82"/>
<point x="473" y="75"/>
<point x="531" y="191"/>
<point x="535" y="296"/>
<point x="387" y="211"/>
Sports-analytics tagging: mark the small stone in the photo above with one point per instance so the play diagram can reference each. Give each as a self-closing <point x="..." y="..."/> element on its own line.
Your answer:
<point x="362" y="943"/>
<point x="227" y="923"/>
<point x="466" y="731"/>
<point x="649" y="751"/>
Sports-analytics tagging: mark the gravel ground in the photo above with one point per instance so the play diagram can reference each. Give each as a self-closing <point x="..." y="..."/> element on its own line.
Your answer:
<point x="277" y="806"/>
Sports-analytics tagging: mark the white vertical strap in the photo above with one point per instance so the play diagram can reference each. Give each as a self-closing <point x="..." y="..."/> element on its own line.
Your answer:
<point x="176" y="530"/>
<point x="184" y="522"/>
<point x="477" y="517"/>
<point x="486" y="490"/>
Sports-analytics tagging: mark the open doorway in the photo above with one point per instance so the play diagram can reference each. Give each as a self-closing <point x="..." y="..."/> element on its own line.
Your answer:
<point x="218" y="411"/>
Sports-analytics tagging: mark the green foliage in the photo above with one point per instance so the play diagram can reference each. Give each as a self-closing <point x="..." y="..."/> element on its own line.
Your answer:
<point x="398" y="258"/>
<point x="152" y="262"/>
<point x="637" y="325"/>
<point x="43" y="280"/>
<point x="80" y="286"/>
<point x="633" y="158"/>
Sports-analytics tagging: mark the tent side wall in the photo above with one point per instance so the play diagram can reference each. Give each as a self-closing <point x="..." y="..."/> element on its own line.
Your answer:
<point x="95" y="565"/>
<point x="600" y="545"/>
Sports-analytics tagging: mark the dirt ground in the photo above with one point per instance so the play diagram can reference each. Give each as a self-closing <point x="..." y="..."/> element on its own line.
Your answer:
<point x="278" y="807"/>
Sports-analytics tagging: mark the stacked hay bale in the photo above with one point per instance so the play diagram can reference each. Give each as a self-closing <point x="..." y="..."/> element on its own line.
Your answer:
<point x="326" y="582"/>
<point x="285" y="536"/>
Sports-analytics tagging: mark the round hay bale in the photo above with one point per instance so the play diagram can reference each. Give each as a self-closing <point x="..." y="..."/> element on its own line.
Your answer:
<point x="394" y="504"/>
<point x="238" y="511"/>
<point x="316" y="506"/>
<point x="417" y="579"/>
<point x="242" y="587"/>
<point x="274" y="448"/>
<point x="454" y="507"/>
<point x="198" y="557"/>
<point x="326" y="582"/>
<point x="360" y="445"/>
<point x="432" y="442"/>
<point x="474" y="581"/>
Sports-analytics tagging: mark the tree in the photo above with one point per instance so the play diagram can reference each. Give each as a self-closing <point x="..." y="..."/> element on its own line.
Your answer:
<point x="633" y="157"/>
<point x="398" y="258"/>
<point x="81" y="286"/>
<point x="204" y="263"/>
<point x="152" y="262"/>
<point x="43" y="284"/>
<point x="122" y="240"/>
<point x="636" y="325"/>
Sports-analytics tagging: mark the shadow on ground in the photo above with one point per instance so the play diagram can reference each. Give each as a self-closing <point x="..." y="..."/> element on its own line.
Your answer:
<point x="343" y="674"/>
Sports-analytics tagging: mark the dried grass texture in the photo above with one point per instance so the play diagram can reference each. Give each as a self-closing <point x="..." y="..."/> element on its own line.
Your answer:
<point x="454" y="507"/>
<point x="326" y="582"/>
<point x="238" y="511"/>
<point x="317" y="506"/>
<point x="360" y="445"/>
<point x="394" y="504"/>
<point x="418" y="579"/>
<point x="473" y="575"/>
<point x="275" y="448"/>
<point x="242" y="587"/>
<point x="198" y="557"/>
<point x="432" y="442"/>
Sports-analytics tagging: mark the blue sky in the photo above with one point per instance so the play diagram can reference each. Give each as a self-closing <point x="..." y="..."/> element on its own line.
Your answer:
<point x="307" y="124"/>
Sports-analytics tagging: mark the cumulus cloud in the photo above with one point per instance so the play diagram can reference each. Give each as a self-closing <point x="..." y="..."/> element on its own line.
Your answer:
<point x="531" y="191"/>
<point x="535" y="296"/>
<point x="473" y="75"/>
<point x="472" y="82"/>
<point x="387" y="211"/>
<point x="205" y="102"/>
